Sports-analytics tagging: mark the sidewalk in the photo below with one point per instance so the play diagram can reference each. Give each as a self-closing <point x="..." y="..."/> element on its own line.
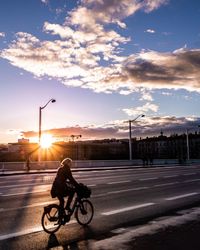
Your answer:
<point x="74" y="169"/>
<point x="181" y="231"/>
<point x="6" y="172"/>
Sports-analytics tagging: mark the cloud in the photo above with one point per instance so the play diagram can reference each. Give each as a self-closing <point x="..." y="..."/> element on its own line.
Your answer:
<point x="150" y="5"/>
<point x="150" y="31"/>
<point x="146" y="95"/>
<point x="165" y="33"/>
<point x="147" y="126"/>
<point x="92" y="12"/>
<point x="87" y="54"/>
<point x="176" y="70"/>
<point x="77" y="62"/>
<point x="112" y="11"/>
<point x="45" y="1"/>
<point x="166" y="93"/>
<point x="87" y="132"/>
<point x="145" y="109"/>
<point x="2" y="34"/>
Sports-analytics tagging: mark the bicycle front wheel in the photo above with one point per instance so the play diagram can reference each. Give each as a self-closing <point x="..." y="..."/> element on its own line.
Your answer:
<point x="50" y="219"/>
<point x="84" y="212"/>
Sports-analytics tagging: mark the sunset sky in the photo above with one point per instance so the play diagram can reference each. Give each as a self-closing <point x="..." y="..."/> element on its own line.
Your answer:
<point x="104" y="61"/>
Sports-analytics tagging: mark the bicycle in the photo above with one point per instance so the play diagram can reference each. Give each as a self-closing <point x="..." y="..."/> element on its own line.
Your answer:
<point x="53" y="218"/>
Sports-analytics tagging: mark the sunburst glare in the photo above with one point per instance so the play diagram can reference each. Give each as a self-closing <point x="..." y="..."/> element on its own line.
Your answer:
<point x="46" y="141"/>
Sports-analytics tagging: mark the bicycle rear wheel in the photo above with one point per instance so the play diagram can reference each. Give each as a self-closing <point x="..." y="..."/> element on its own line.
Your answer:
<point x="84" y="212"/>
<point x="50" y="218"/>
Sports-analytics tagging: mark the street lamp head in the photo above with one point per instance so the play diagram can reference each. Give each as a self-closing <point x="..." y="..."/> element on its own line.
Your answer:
<point x="142" y="115"/>
<point x="51" y="100"/>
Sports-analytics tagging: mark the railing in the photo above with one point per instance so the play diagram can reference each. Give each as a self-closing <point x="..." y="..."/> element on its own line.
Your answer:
<point x="53" y="165"/>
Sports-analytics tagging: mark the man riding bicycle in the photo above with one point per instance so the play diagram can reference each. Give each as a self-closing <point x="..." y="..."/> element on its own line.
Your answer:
<point x="64" y="184"/>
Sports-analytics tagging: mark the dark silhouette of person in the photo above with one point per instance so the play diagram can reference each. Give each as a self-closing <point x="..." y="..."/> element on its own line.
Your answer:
<point x="64" y="184"/>
<point x="28" y="163"/>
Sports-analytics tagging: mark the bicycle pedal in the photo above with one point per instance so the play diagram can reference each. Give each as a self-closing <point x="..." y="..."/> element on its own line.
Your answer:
<point x="53" y="219"/>
<point x="66" y="219"/>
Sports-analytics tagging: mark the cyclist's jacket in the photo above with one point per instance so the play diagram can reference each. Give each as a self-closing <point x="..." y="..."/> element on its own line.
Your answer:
<point x="62" y="182"/>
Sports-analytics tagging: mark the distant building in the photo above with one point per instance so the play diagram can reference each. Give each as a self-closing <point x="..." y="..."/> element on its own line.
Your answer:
<point x="148" y="149"/>
<point x="23" y="140"/>
<point x="172" y="147"/>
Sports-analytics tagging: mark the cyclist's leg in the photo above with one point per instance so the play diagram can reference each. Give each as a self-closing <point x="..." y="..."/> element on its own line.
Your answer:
<point x="70" y="198"/>
<point x="63" y="216"/>
<point x="62" y="202"/>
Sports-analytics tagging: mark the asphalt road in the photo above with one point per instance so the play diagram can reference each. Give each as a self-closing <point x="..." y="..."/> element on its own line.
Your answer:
<point x="122" y="198"/>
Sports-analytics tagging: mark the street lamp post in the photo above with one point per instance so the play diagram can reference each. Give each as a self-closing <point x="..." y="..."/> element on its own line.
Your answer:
<point x="188" y="147"/>
<point x="187" y="143"/>
<point x="40" y="123"/>
<point x="130" y="135"/>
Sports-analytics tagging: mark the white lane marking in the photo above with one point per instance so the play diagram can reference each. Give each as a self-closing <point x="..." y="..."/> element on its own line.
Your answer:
<point x="92" y="185"/>
<point x="166" y="184"/>
<point x="192" y="180"/>
<point x="25" y="185"/>
<point x="126" y="190"/>
<point x="44" y="178"/>
<point x="104" y="177"/>
<point x="24" y="193"/>
<point x="27" y="231"/>
<point x="147" y="179"/>
<point x="125" y="209"/>
<point x="28" y="206"/>
<point x="180" y="196"/>
<point x="98" y="195"/>
<point x="119" y="230"/>
<point x="170" y="176"/>
<point x="20" y="233"/>
<point x="118" y="182"/>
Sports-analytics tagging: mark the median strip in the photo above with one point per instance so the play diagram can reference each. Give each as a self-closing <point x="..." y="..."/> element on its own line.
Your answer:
<point x="117" y="211"/>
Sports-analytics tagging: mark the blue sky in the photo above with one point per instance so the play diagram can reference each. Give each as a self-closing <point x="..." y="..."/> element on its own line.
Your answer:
<point x="104" y="62"/>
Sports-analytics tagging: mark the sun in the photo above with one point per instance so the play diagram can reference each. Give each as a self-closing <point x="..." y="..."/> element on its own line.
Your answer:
<point x="46" y="141"/>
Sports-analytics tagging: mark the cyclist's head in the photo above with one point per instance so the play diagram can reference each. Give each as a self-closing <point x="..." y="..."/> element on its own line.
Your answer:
<point x="66" y="162"/>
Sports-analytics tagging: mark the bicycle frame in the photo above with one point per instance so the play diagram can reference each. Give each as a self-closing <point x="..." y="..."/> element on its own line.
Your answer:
<point x="76" y="201"/>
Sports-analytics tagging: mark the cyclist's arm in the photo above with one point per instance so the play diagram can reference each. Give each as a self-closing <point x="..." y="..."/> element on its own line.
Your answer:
<point x="71" y="178"/>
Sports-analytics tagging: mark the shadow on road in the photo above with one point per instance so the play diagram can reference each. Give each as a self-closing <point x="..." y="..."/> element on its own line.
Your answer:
<point x="77" y="241"/>
<point x="53" y="241"/>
